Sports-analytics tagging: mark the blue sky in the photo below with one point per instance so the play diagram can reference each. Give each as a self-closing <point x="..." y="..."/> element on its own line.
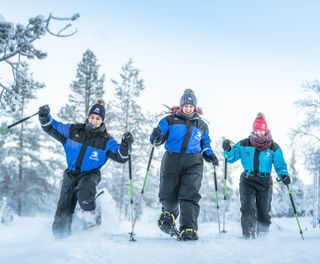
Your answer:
<point x="240" y="57"/>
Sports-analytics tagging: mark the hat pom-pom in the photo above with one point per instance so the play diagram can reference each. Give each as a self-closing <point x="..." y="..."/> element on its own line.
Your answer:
<point x="100" y="101"/>
<point x="188" y="91"/>
<point x="260" y="115"/>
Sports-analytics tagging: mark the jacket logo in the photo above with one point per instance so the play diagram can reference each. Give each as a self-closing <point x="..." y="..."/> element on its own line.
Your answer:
<point x="77" y="135"/>
<point x="94" y="156"/>
<point x="198" y="135"/>
<point x="97" y="110"/>
<point x="267" y="155"/>
<point x="248" y="153"/>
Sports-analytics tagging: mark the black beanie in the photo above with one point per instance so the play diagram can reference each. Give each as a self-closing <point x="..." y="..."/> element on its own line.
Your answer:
<point x="188" y="98"/>
<point x="99" y="110"/>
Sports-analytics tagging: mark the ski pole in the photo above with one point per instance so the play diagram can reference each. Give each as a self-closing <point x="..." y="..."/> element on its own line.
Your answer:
<point x="225" y="193"/>
<point x="217" y="199"/>
<point x="295" y="211"/>
<point x="131" y="199"/>
<point x="143" y="186"/>
<point x="17" y="123"/>
<point x="225" y="186"/>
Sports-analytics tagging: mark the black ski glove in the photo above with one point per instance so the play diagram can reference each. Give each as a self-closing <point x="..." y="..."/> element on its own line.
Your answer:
<point x="226" y="145"/>
<point x="127" y="138"/>
<point x="286" y="179"/>
<point x="211" y="158"/>
<point x="43" y="114"/>
<point x="156" y="135"/>
<point x="44" y="110"/>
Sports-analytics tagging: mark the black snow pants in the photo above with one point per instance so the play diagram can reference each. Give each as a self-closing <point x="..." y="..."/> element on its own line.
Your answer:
<point x="255" y="198"/>
<point x="180" y="182"/>
<point x="75" y="187"/>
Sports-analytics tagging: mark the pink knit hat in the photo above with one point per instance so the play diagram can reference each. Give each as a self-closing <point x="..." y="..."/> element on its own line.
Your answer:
<point x="260" y="123"/>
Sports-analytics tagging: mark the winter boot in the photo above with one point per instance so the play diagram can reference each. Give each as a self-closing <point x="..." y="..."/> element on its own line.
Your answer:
<point x="188" y="234"/>
<point x="166" y="223"/>
<point x="89" y="219"/>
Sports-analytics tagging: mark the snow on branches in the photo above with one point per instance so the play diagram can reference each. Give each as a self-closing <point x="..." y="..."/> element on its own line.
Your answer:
<point x="16" y="43"/>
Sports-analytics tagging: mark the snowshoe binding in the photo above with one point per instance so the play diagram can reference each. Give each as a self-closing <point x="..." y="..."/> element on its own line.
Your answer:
<point x="188" y="234"/>
<point x="166" y="223"/>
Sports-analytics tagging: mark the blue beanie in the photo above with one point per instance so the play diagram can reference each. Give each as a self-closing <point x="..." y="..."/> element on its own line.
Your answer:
<point x="99" y="110"/>
<point x="188" y="98"/>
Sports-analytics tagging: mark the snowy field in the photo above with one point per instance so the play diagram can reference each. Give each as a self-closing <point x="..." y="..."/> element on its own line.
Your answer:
<point x="29" y="241"/>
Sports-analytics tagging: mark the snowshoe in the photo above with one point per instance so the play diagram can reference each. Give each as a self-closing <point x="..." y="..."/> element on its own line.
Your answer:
<point x="188" y="234"/>
<point x="166" y="223"/>
<point x="90" y="219"/>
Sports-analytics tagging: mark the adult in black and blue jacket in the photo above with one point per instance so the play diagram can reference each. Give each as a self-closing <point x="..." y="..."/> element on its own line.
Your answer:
<point x="257" y="154"/>
<point x="88" y="147"/>
<point x="187" y="141"/>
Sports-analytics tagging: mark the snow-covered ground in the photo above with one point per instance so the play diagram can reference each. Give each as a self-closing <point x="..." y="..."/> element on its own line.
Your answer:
<point x="29" y="240"/>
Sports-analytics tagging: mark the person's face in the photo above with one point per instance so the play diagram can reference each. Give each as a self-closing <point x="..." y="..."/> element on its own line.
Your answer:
<point x="95" y="120"/>
<point x="188" y="109"/>
<point x="259" y="133"/>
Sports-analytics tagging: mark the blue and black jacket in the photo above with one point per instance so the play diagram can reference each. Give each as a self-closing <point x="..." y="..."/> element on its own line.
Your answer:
<point x="257" y="162"/>
<point x="184" y="135"/>
<point x="85" y="150"/>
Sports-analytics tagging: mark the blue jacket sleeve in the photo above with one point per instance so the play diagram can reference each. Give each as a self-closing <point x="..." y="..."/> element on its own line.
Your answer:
<point x="164" y="127"/>
<point x="234" y="154"/>
<point x="206" y="144"/>
<point x="56" y="129"/>
<point x="117" y="152"/>
<point x="279" y="163"/>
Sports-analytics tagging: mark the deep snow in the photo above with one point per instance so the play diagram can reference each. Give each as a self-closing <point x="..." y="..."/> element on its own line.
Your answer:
<point x="29" y="241"/>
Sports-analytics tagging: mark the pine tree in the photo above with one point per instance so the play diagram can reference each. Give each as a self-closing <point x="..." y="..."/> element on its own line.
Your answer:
<point x="28" y="183"/>
<point x="128" y="116"/>
<point x="84" y="91"/>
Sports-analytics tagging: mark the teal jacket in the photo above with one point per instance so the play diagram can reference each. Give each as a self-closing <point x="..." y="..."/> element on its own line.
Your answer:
<point x="257" y="162"/>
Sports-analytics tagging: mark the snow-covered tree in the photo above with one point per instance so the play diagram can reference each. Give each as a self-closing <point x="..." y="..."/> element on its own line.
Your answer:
<point x="27" y="175"/>
<point x="306" y="135"/>
<point x="128" y="116"/>
<point x="17" y="43"/>
<point x="85" y="90"/>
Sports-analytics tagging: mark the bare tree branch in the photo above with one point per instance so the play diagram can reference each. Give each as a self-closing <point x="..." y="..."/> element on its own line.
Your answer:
<point x="17" y="43"/>
<point x="73" y="18"/>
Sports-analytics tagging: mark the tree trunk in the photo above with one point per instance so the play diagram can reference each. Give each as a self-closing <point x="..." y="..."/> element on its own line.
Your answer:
<point x="316" y="199"/>
<point x="122" y="192"/>
<point x="20" y="176"/>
